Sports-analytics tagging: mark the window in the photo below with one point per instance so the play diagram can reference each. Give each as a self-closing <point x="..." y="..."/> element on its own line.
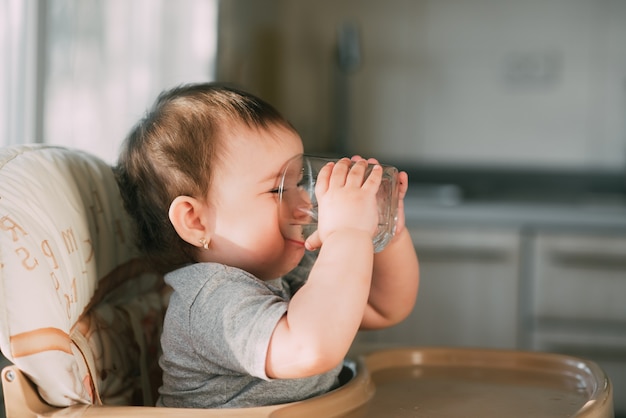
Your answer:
<point x="82" y="72"/>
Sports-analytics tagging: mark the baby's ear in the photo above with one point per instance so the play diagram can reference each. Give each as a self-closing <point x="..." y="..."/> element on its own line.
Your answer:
<point x="190" y="218"/>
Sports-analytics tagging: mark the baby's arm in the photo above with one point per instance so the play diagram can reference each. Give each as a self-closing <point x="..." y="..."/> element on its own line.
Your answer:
<point x="325" y="314"/>
<point x="395" y="278"/>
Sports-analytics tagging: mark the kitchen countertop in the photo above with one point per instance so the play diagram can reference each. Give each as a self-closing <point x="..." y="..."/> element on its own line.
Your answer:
<point x="574" y="199"/>
<point x="607" y="214"/>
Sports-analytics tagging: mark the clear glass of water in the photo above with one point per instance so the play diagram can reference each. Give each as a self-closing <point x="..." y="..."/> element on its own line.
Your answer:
<point x="298" y="204"/>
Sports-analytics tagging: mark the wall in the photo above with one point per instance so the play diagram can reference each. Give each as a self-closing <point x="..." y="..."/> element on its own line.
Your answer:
<point x="539" y="83"/>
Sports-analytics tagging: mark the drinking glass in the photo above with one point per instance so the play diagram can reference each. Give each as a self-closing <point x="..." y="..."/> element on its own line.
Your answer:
<point x="298" y="203"/>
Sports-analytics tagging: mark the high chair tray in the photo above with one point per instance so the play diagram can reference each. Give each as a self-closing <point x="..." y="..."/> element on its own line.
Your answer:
<point x="403" y="382"/>
<point x="444" y="382"/>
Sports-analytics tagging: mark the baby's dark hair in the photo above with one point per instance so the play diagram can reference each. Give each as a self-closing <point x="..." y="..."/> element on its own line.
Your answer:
<point x="173" y="152"/>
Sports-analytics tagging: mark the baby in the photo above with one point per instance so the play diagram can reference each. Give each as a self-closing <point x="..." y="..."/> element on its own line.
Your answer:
<point x="256" y="316"/>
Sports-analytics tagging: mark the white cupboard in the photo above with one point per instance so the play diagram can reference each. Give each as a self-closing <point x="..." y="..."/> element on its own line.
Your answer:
<point x="468" y="290"/>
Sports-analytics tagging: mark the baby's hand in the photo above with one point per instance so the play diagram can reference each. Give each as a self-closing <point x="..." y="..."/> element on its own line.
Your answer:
<point x="403" y="186"/>
<point x="345" y="201"/>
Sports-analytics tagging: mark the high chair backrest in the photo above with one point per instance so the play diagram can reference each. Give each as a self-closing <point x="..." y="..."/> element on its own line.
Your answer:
<point x="80" y="310"/>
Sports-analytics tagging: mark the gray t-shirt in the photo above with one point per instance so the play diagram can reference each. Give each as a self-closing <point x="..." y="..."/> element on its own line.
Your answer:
<point x="215" y="338"/>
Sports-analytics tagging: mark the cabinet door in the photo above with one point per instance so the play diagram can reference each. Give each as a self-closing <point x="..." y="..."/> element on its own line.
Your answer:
<point x="580" y="277"/>
<point x="468" y="290"/>
<point x="579" y="294"/>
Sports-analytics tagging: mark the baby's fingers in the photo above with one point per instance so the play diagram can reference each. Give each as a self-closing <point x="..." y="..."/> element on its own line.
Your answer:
<point x="356" y="158"/>
<point x="374" y="179"/>
<point x="313" y="242"/>
<point x="340" y="173"/>
<point x="356" y="174"/>
<point x="323" y="179"/>
<point x="403" y="184"/>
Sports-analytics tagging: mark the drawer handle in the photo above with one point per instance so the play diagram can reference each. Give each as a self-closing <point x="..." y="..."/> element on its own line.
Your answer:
<point x="589" y="261"/>
<point x="462" y="254"/>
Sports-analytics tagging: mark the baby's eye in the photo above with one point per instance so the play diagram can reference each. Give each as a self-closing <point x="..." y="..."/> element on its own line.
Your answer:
<point x="274" y="191"/>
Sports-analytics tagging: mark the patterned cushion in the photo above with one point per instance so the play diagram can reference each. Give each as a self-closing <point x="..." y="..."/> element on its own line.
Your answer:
<point x="80" y="311"/>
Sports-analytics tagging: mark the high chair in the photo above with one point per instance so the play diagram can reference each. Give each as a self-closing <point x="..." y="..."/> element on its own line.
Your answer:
<point x="81" y="314"/>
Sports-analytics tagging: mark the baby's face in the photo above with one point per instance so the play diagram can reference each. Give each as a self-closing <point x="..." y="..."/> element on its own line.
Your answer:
<point x="247" y="229"/>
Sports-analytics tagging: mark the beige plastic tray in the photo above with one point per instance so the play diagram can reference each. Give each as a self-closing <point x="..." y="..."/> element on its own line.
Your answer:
<point x="444" y="382"/>
<point x="405" y="382"/>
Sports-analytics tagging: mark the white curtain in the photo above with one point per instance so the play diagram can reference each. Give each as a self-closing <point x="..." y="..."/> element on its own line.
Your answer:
<point x="17" y="71"/>
<point x="84" y="71"/>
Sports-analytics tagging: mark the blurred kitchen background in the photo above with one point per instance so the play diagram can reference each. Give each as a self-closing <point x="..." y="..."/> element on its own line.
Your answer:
<point x="510" y="117"/>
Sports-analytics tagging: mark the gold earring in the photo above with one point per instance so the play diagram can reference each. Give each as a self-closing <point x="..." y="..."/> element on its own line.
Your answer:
<point x="205" y="243"/>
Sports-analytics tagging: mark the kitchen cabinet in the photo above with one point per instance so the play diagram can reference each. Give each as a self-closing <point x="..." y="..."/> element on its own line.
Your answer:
<point x="468" y="289"/>
<point x="545" y="277"/>
<point x="579" y="277"/>
<point x="578" y="291"/>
